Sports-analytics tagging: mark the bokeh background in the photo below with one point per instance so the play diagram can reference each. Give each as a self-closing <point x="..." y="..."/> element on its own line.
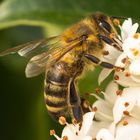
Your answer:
<point x="23" y="115"/>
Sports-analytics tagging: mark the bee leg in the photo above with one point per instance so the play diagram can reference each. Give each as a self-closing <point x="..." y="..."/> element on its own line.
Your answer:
<point x="105" y="39"/>
<point x="96" y="60"/>
<point x="118" y="17"/>
<point x="74" y="101"/>
<point x="111" y="42"/>
<point x="85" y="104"/>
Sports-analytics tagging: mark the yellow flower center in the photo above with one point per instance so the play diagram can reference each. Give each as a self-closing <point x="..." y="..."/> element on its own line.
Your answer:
<point x="134" y="51"/>
<point x="136" y="36"/>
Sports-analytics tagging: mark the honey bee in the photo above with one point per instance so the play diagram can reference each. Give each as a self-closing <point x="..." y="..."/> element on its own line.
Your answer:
<point x="64" y="59"/>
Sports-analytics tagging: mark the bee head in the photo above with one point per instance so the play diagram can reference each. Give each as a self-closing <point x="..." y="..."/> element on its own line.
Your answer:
<point x="103" y="22"/>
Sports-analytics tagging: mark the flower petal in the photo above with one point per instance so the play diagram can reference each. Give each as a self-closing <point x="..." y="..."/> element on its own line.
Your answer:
<point x="87" y="122"/>
<point x="120" y="58"/>
<point x="131" y="47"/>
<point x="130" y="98"/>
<point x="113" y="54"/>
<point x="120" y="107"/>
<point x="104" y="111"/>
<point x="135" y="112"/>
<point x="125" y="80"/>
<point x="110" y="92"/>
<point x="86" y="138"/>
<point x="135" y="67"/>
<point x="132" y="93"/>
<point x="103" y="75"/>
<point x="96" y="126"/>
<point x="70" y="132"/>
<point x="104" y="134"/>
<point x="134" y="28"/>
<point x="128" y="29"/>
<point x="131" y="131"/>
<point x="136" y="78"/>
<point x="127" y="24"/>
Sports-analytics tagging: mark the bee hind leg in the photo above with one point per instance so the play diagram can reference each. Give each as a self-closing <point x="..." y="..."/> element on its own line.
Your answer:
<point x="75" y="107"/>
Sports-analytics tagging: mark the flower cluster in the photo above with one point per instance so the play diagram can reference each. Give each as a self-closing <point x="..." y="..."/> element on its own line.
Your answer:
<point x="128" y="59"/>
<point x="117" y="115"/>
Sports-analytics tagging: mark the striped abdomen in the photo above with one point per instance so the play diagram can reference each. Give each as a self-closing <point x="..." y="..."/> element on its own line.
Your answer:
<point x="56" y="91"/>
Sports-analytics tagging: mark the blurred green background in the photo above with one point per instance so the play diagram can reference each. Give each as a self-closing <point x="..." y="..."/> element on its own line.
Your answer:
<point x="23" y="115"/>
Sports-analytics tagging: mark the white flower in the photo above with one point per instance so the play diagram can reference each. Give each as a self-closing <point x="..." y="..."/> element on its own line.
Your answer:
<point x="118" y="103"/>
<point x="127" y="129"/>
<point x="129" y="59"/>
<point x="126" y="79"/>
<point x="103" y="117"/>
<point x="105" y="106"/>
<point x="73" y="132"/>
<point x="111" y="118"/>
<point x="88" y="129"/>
<point x="121" y="110"/>
<point x="104" y="134"/>
<point x="127" y="104"/>
<point x="128" y="29"/>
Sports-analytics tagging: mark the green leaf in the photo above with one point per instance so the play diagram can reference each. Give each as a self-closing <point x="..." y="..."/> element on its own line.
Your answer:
<point x="34" y="12"/>
<point x="60" y="12"/>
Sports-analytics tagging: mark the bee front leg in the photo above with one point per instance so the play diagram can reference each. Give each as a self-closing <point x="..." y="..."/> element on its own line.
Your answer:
<point x="96" y="60"/>
<point x="113" y="42"/>
<point x="74" y="101"/>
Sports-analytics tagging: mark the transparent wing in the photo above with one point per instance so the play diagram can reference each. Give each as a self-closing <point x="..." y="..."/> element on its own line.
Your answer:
<point x="32" y="47"/>
<point x="43" y="53"/>
<point x="41" y="62"/>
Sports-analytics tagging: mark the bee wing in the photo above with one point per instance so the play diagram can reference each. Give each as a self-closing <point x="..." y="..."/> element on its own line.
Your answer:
<point x="45" y="52"/>
<point x="42" y="62"/>
<point x="32" y="47"/>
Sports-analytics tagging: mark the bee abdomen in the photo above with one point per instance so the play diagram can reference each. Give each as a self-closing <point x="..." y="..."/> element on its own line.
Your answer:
<point x="56" y="98"/>
<point x="58" y="113"/>
<point x="56" y="90"/>
<point x="53" y="103"/>
<point x="57" y="77"/>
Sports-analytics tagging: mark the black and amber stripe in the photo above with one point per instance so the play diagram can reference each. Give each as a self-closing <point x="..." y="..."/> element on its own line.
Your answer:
<point x="56" y="100"/>
<point x="56" y="93"/>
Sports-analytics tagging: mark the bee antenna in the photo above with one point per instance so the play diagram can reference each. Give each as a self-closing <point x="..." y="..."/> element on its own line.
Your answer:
<point x="118" y="17"/>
